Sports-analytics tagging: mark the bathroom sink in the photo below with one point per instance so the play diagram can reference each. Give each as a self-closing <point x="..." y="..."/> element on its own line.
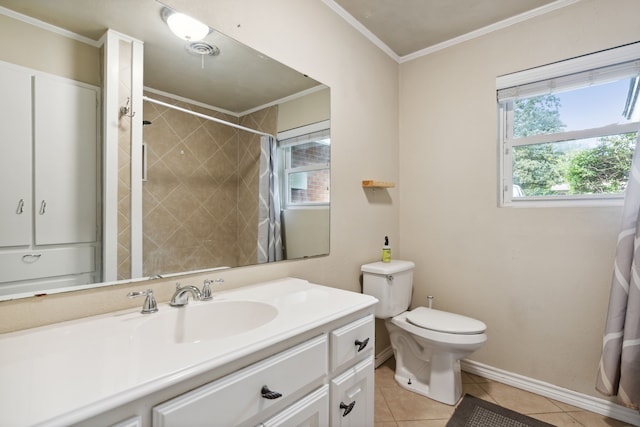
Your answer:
<point x="204" y="321"/>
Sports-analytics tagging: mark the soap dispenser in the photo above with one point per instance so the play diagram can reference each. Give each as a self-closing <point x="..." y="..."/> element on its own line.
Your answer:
<point x="386" y="250"/>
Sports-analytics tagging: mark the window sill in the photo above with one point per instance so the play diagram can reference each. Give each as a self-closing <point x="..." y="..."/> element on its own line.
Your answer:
<point x="564" y="203"/>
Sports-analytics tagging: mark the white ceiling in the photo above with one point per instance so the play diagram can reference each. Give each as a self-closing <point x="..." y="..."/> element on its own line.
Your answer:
<point x="238" y="80"/>
<point x="404" y="28"/>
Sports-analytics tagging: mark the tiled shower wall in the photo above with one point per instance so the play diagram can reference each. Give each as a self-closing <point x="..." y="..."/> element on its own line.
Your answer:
<point x="201" y="190"/>
<point x="124" y="165"/>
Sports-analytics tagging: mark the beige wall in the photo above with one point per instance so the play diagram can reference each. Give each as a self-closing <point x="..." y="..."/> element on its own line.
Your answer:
<point x="55" y="54"/>
<point x="538" y="277"/>
<point x="308" y="109"/>
<point x="311" y="38"/>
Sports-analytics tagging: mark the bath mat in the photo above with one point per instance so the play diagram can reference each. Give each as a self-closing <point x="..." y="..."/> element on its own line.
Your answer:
<point x="474" y="412"/>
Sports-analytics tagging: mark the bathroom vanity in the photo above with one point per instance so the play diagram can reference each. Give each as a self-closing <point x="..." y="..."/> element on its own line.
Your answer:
<point x="284" y="352"/>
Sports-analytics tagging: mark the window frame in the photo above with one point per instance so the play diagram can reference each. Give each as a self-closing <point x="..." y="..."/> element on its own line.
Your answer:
<point x="539" y="76"/>
<point x="286" y="171"/>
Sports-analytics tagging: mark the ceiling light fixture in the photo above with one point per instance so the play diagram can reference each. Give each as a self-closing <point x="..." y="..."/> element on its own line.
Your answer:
<point x="186" y="27"/>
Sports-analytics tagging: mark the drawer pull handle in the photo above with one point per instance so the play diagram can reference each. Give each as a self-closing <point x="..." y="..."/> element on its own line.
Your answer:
<point x="43" y="207"/>
<point x="268" y="394"/>
<point x="31" y="258"/>
<point x="347" y="408"/>
<point x="361" y="344"/>
<point x="20" y="207"/>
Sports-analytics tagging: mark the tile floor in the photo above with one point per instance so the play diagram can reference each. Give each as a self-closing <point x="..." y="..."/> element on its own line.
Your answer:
<point x="397" y="407"/>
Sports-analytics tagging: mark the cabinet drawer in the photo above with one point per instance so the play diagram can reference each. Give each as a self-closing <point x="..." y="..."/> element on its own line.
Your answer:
<point x="313" y="410"/>
<point x="352" y="341"/>
<point x="236" y="398"/>
<point x="34" y="264"/>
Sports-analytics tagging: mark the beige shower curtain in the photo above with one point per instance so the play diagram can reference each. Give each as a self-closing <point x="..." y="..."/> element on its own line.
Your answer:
<point x="619" y="371"/>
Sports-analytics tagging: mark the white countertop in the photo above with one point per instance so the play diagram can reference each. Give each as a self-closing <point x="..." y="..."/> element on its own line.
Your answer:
<point x="66" y="372"/>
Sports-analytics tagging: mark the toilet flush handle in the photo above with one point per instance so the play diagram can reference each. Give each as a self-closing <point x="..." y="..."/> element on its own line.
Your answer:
<point x="430" y="301"/>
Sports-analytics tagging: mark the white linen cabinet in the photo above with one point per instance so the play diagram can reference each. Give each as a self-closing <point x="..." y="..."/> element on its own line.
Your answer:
<point x="48" y="175"/>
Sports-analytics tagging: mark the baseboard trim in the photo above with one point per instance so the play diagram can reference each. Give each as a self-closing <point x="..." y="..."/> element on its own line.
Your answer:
<point x="570" y="397"/>
<point x="383" y="356"/>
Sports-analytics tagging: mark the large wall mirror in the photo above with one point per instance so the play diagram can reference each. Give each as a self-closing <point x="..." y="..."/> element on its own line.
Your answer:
<point x="202" y="154"/>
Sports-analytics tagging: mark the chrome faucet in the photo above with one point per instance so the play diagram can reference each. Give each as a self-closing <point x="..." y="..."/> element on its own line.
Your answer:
<point x="180" y="297"/>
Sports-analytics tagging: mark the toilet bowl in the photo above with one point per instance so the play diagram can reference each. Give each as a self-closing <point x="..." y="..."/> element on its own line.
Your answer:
<point x="428" y="344"/>
<point x="428" y="360"/>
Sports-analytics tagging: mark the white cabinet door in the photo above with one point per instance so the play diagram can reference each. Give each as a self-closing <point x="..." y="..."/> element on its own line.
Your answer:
<point x="15" y="157"/>
<point x="65" y="126"/>
<point x="352" y="396"/>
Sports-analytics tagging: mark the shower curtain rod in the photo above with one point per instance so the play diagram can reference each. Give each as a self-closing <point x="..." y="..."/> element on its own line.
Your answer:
<point x="204" y="116"/>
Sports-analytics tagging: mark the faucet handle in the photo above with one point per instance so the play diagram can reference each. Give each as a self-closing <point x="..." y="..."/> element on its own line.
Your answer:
<point x="206" y="289"/>
<point x="150" y="305"/>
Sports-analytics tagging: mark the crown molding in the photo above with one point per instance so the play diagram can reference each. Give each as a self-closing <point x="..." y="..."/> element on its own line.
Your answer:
<point x="452" y="42"/>
<point x="361" y="28"/>
<point x="45" y="26"/>
<point x="489" y="29"/>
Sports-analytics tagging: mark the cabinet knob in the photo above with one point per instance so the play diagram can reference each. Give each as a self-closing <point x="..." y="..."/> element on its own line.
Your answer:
<point x="268" y="394"/>
<point x="361" y="344"/>
<point x="347" y="408"/>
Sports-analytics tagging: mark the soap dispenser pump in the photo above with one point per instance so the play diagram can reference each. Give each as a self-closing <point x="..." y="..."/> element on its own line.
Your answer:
<point x="386" y="250"/>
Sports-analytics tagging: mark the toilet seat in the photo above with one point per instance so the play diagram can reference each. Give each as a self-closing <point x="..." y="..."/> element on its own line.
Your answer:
<point x="442" y="321"/>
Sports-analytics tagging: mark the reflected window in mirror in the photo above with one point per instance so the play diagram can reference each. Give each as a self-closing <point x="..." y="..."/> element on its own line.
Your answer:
<point x="305" y="161"/>
<point x="306" y="168"/>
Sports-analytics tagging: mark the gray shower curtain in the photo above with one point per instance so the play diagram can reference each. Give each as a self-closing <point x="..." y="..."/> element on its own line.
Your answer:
<point x="269" y="233"/>
<point x="619" y="371"/>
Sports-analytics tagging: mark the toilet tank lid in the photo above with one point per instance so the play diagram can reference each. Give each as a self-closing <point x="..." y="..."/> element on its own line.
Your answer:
<point x="395" y="266"/>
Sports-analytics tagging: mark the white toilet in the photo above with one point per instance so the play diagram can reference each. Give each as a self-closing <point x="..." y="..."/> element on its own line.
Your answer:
<point x="427" y="343"/>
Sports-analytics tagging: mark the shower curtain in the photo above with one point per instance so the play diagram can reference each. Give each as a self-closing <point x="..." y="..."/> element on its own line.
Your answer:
<point x="269" y="234"/>
<point x="619" y="370"/>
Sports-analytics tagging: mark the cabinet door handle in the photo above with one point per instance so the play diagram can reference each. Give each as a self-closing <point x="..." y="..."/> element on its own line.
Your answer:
<point x="347" y="408"/>
<point x="43" y="207"/>
<point x="361" y="344"/>
<point x="20" y="207"/>
<point x="268" y="394"/>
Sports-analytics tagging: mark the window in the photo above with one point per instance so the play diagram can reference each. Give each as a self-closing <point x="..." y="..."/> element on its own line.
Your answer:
<point x="568" y="130"/>
<point x="306" y="166"/>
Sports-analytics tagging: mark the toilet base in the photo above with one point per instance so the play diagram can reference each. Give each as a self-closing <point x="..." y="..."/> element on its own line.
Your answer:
<point x="445" y="383"/>
<point x="427" y="362"/>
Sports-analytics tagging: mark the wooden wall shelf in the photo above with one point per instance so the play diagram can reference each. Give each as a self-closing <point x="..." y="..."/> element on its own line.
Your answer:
<point x="369" y="183"/>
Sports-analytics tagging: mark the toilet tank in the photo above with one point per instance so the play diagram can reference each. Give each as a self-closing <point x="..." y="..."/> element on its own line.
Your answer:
<point x="391" y="283"/>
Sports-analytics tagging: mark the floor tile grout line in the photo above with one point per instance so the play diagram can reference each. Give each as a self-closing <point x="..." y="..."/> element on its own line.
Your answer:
<point x="577" y="421"/>
<point x="484" y="386"/>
